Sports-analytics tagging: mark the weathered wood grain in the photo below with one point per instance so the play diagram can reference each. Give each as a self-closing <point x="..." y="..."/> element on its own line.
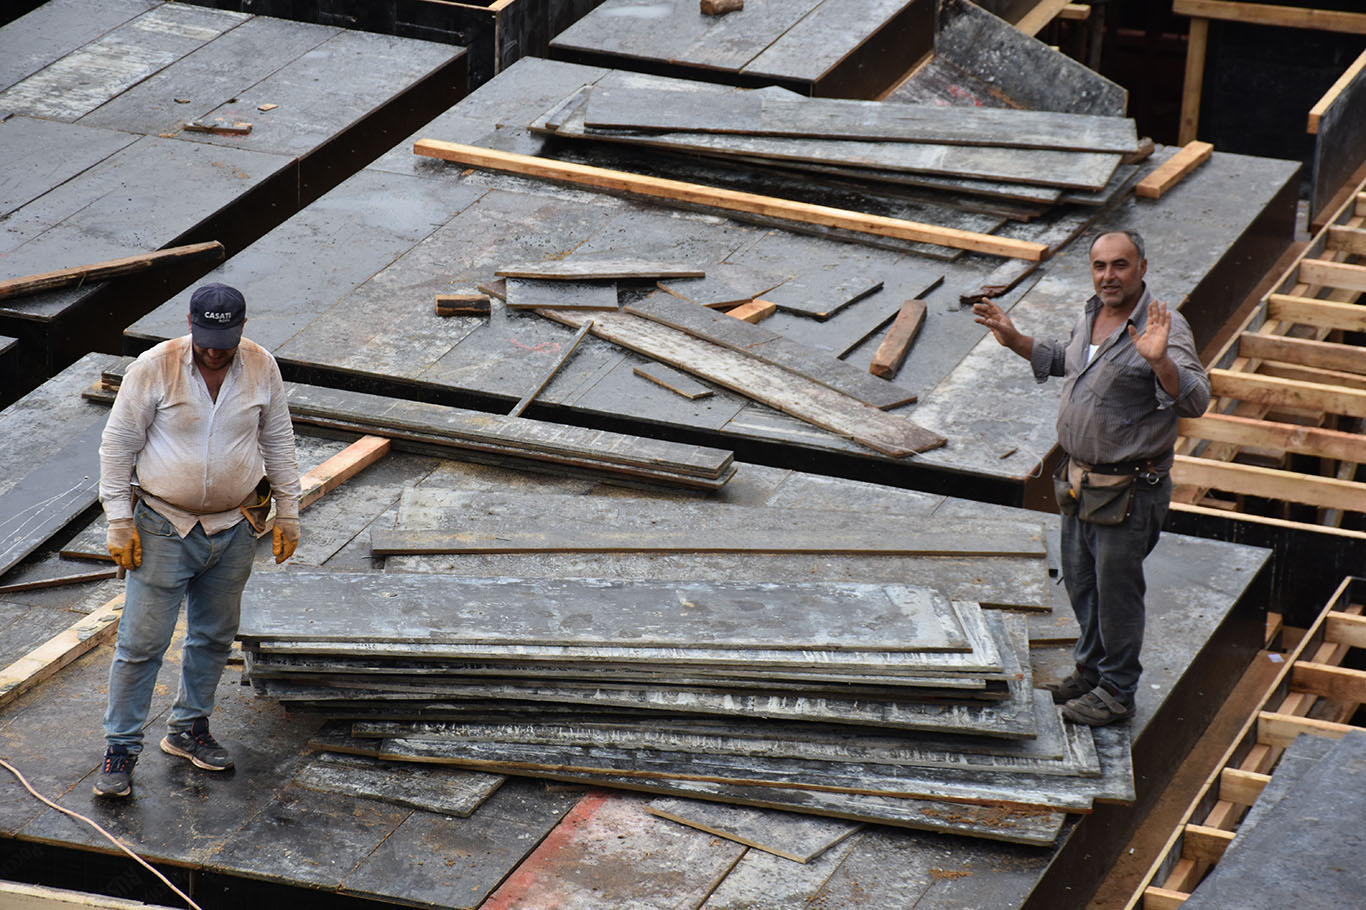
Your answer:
<point x="528" y="294"/>
<point x="795" y="837"/>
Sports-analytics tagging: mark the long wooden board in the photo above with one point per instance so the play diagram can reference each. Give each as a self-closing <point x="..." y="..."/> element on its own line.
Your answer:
<point x="110" y="268"/>
<point x="444" y="608"/>
<point x="678" y="191"/>
<point x="778" y="388"/>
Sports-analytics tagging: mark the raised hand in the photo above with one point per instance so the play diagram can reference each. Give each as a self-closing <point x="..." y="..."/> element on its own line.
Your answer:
<point x="1152" y="344"/>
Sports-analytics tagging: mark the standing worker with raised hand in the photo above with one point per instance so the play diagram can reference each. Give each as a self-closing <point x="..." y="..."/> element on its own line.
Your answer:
<point x="1129" y="370"/>
<point x="203" y="422"/>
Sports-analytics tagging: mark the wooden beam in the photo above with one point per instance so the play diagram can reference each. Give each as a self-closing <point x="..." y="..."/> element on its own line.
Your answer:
<point x="341" y="467"/>
<point x="110" y="268"/>
<point x="1342" y="238"/>
<point x="1267" y="14"/>
<point x="462" y="304"/>
<point x="1075" y="12"/>
<point x="754" y="312"/>
<point x="1312" y="375"/>
<point x="1323" y="355"/>
<point x="1333" y="274"/>
<point x="1335" y="445"/>
<point x="1196" y="44"/>
<point x="1343" y="628"/>
<point x="1170" y="172"/>
<point x="1321" y="314"/>
<point x="1155" y="898"/>
<point x="1280" y="730"/>
<point x="1340" y="684"/>
<point x="1043" y="12"/>
<point x="1269" y="483"/>
<point x="1205" y="845"/>
<point x="897" y="342"/>
<point x="727" y="200"/>
<point x="1269" y="390"/>
<point x="1241" y="787"/>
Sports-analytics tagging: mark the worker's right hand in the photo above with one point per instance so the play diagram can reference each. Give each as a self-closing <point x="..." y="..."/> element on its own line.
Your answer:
<point x="125" y="546"/>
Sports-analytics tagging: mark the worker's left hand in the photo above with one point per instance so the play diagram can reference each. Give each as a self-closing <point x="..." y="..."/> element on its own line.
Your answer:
<point x="286" y="538"/>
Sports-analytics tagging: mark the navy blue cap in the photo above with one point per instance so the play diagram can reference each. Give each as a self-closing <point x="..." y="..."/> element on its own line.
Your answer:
<point x="216" y="316"/>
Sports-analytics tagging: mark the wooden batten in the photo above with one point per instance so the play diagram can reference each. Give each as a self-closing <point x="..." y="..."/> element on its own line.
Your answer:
<point x="1323" y="314"/>
<point x="1324" y="355"/>
<point x="1269" y="390"/>
<point x="1173" y="170"/>
<point x="1334" y="445"/>
<point x="1342" y="275"/>
<point x="1269" y="483"/>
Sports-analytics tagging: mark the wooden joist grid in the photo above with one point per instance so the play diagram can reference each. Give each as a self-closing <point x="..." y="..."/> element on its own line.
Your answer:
<point x="1313" y="679"/>
<point x="1284" y="427"/>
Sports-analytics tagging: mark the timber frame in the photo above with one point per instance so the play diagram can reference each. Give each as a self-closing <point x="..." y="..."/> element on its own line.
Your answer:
<point x="1313" y="693"/>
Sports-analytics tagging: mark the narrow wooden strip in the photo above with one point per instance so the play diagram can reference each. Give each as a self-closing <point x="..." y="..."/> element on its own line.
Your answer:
<point x="730" y="200"/>
<point x="1340" y="628"/>
<point x="1279" y="730"/>
<point x="554" y="368"/>
<point x="598" y="269"/>
<point x="341" y="467"/>
<point x="1268" y="14"/>
<point x="1268" y="390"/>
<point x="675" y="381"/>
<point x="897" y="342"/>
<point x="1241" y="787"/>
<point x="774" y="386"/>
<point x="462" y="304"/>
<point x="1265" y="434"/>
<point x="61" y="649"/>
<point x="1042" y="13"/>
<point x="57" y="582"/>
<point x="1205" y="845"/>
<point x="1344" y="239"/>
<point x="1324" y="314"/>
<point x="1313" y="376"/>
<point x="1337" y="683"/>
<point x="1173" y="170"/>
<point x="111" y="268"/>
<point x="1251" y="480"/>
<point x="1333" y="274"/>
<point x="1196" y="45"/>
<point x="1155" y="898"/>
<point x="1324" y="355"/>
<point x="754" y="312"/>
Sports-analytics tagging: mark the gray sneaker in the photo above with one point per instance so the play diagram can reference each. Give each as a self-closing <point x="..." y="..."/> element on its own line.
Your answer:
<point x="1097" y="708"/>
<point x="116" y="775"/>
<point x="199" y="746"/>
<point x="1073" y="686"/>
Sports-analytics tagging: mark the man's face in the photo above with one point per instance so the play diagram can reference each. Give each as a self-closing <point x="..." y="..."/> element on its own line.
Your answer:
<point x="213" y="358"/>
<point x="1116" y="270"/>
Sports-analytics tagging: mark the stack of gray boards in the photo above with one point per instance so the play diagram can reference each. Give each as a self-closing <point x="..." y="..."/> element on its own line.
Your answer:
<point x="831" y="48"/>
<point x="96" y="101"/>
<point x="871" y="702"/>
<point x="1302" y="843"/>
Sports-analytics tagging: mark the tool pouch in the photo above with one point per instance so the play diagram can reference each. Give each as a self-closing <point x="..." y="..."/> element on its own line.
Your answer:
<point x="1102" y="499"/>
<point x="1062" y="489"/>
<point x="259" y="508"/>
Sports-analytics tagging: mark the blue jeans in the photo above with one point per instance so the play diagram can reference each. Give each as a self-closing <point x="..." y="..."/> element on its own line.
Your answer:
<point x="208" y="574"/>
<point x="1103" y="569"/>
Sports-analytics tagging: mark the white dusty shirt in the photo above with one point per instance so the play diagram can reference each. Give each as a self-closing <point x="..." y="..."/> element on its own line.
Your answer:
<point x="197" y="460"/>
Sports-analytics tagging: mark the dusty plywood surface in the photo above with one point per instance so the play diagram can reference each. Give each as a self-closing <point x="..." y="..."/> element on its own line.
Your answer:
<point x="56" y="28"/>
<point x="795" y="837"/>
<point x="448" y="791"/>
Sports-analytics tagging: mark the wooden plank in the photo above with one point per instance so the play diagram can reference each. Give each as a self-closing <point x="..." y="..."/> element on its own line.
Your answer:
<point x="560" y="361"/>
<point x="1326" y="355"/>
<point x="1203" y="844"/>
<point x="1173" y="170"/>
<point x="1269" y="390"/>
<point x="1341" y="628"/>
<point x="633" y="107"/>
<point x="1280" y="730"/>
<point x="541" y="611"/>
<point x="340" y="468"/>
<point x="1197" y="42"/>
<point x="771" y="347"/>
<point x="1345" y="239"/>
<point x="898" y="339"/>
<point x="1347" y="23"/>
<point x="449" y="791"/>
<point x="754" y="312"/>
<point x="1333" y="274"/>
<point x="1286" y="437"/>
<point x="57" y="582"/>
<point x="598" y="270"/>
<point x="111" y="268"/>
<point x="726" y="284"/>
<point x="1241" y="787"/>
<point x="1251" y="480"/>
<point x="675" y="381"/>
<point x="1155" y="898"/>
<point x="678" y="191"/>
<point x="1341" y="684"/>
<point x="16" y="896"/>
<point x="778" y="388"/>
<point x="462" y="304"/>
<point x="1325" y="314"/>
<point x="530" y="294"/>
<point x="1042" y="13"/>
<point x="50" y="657"/>
<point x="1339" y="160"/>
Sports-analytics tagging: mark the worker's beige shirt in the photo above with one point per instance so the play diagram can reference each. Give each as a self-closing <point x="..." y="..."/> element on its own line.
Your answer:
<point x="195" y="459"/>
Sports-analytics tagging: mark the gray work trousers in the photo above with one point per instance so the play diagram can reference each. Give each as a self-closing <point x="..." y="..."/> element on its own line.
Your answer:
<point x="1103" y="570"/>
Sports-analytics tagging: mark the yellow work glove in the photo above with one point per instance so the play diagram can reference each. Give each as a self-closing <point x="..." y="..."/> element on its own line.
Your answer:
<point x="286" y="538"/>
<point x="124" y="544"/>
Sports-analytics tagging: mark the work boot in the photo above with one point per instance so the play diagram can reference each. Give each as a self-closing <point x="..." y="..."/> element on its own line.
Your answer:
<point x="116" y="776"/>
<point x="1097" y="708"/>
<point x="1073" y="686"/>
<point x="199" y="746"/>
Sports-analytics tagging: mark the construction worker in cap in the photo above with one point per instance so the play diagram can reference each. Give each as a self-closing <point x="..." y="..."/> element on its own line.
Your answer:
<point x="198" y="445"/>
